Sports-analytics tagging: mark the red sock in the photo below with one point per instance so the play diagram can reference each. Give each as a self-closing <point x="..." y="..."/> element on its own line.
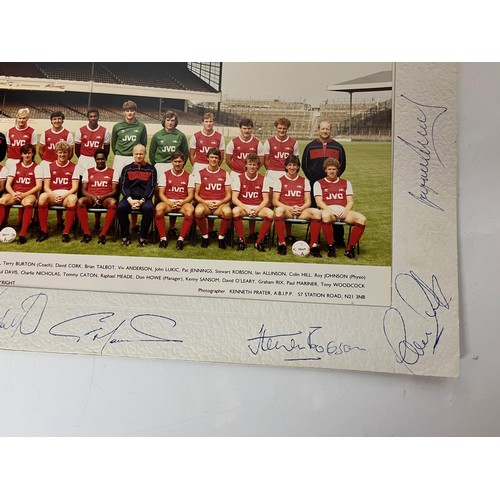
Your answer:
<point x="279" y="224"/>
<point x="43" y="216"/>
<point x="27" y="214"/>
<point x="70" y="217"/>
<point x="225" y="224"/>
<point x="328" y="232"/>
<point x="264" y="228"/>
<point x="202" y="224"/>
<point x="315" y="230"/>
<point x="109" y="219"/>
<point x="356" y="233"/>
<point x="81" y="212"/>
<point x="186" y="226"/>
<point x="160" y="225"/>
<point x="238" y="225"/>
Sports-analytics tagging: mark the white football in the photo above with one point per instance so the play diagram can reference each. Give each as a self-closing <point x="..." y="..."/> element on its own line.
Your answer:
<point x="7" y="235"/>
<point x="300" y="248"/>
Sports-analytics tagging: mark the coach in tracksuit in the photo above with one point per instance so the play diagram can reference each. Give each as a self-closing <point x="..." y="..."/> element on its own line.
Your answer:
<point x="137" y="185"/>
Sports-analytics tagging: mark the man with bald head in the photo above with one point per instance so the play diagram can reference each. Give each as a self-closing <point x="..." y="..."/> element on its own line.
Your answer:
<point x="313" y="157"/>
<point x="137" y="186"/>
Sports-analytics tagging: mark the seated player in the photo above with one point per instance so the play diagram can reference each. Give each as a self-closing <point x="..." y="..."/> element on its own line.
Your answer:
<point x="24" y="182"/>
<point x="98" y="191"/>
<point x="137" y="185"/>
<point x="60" y="185"/>
<point x="251" y="198"/>
<point x="212" y="193"/>
<point x="176" y="192"/>
<point x="335" y="197"/>
<point x="292" y="199"/>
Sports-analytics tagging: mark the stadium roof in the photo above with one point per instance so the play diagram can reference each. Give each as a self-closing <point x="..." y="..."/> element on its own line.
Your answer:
<point x="370" y="83"/>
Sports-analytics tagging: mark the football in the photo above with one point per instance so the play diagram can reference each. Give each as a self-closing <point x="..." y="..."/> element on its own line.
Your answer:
<point x="300" y="248"/>
<point x="7" y="235"/>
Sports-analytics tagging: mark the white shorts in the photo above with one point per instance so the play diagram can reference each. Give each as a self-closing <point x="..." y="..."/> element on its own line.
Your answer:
<point x="118" y="163"/>
<point x="336" y="209"/>
<point x="198" y="166"/>
<point x="274" y="176"/>
<point x="11" y="162"/>
<point x="85" y="162"/>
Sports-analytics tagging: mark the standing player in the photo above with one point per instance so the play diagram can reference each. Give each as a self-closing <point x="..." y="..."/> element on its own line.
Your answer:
<point x="48" y="141"/>
<point x="213" y="194"/>
<point x="241" y="146"/>
<point x="125" y="135"/>
<point x="51" y="137"/>
<point x="23" y="184"/>
<point x="176" y="192"/>
<point x="200" y="142"/>
<point x="335" y="198"/>
<point x="251" y="198"/>
<point x="238" y="149"/>
<point x="292" y="199"/>
<point x="137" y="185"/>
<point x="90" y="138"/>
<point x="60" y="185"/>
<point x="98" y="191"/>
<point x="164" y="143"/>
<point x="18" y="136"/>
<point x="276" y="150"/>
<point x="315" y="153"/>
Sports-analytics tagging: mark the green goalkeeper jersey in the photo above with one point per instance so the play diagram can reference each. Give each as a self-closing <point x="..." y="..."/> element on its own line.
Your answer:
<point x="125" y="136"/>
<point x="164" y="144"/>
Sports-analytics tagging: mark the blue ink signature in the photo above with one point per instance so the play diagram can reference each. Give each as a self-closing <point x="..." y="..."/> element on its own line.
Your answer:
<point x="410" y="343"/>
<point x="102" y="326"/>
<point x="425" y="148"/>
<point x="25" y="316"/>
<point x="296" y="342"/>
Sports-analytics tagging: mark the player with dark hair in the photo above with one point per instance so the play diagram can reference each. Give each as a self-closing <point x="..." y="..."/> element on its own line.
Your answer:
<point x="52" y="136"/>
<point x="18" y="136"/>
<point x="201" y="141"/>
<point x="176" y="192"/>
<point x="251" y="198"/>
<point x="24" y="182"/>
<point x="335" y="197"/>
<point x="278" y="148"/>
<point x="213" y="194"/>
<point x="313" y="156"/>
<point x="90" y="138"/>
<point x="292" y="199"/>
<point x="137" y="185"/>
<point x="239" y="147"/>
<point x="164" y="143"/>
<point x="98" y="191"/>
<point x="167" y="141"/>
<point x="60" y="185"/>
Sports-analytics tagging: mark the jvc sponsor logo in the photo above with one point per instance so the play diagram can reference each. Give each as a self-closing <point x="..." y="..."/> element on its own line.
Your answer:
<point x="214" y="186"/>
<point x="92" y="144"/>
<point x="100" y="183"/>
<point x="23" y="180"/>
<point x="128" y="138"/>
<point x="293" y="192"/>
<point x="62" y="182"/>
<point x="335" y="196"/>
<point x="18" y="142"/>
<point x="281" y="155"/>
<point x="168" y="149"/>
